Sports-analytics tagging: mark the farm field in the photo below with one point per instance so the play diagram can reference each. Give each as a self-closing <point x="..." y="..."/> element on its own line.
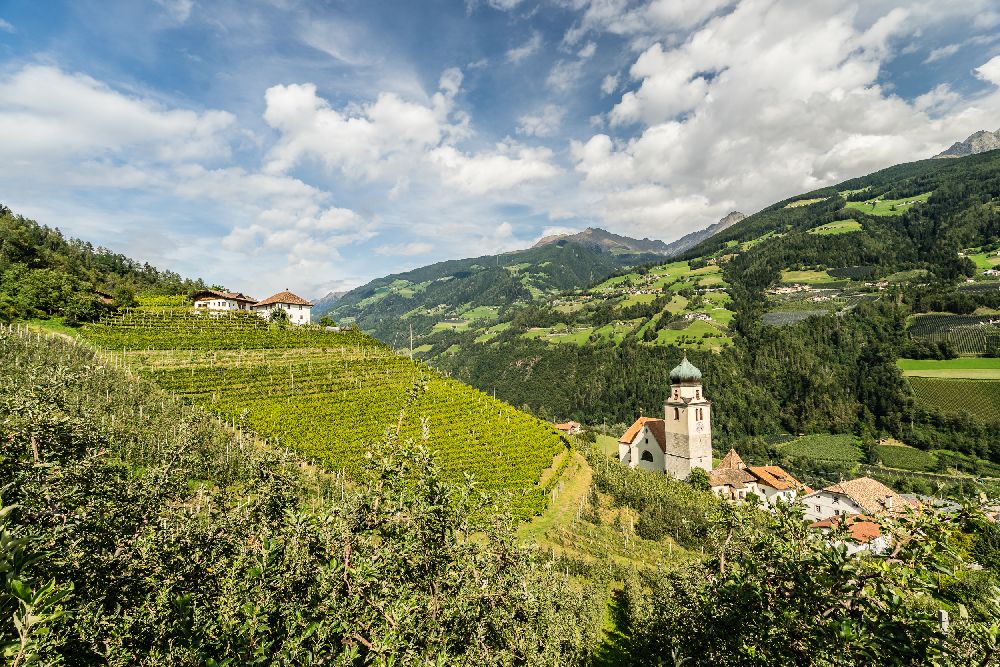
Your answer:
<point x="907" y="458"/>
<point x="973" y="368"/>
<point x="839" y="227"/>
<point x="968" y="334"/>
<point x="807" y="276"/>
<point x="798" y="203"/>
<point x="330" y="395"/>
<point x="884" y="207"/>
<point x="824" y="447"/>
<point x="980" y="398"/>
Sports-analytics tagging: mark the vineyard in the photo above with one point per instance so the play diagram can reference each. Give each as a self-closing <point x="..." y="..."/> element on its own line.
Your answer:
<point x="824" y="447"/>
<point x="330" y="395"/>
<point x="968" y="334"/>
<point x="980" y="398"/>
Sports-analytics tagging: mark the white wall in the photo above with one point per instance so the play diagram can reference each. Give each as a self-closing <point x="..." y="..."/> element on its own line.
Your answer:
<point x="645" y="442"/>
<point x="296" y="314"/>
<point x="823" y="505"/>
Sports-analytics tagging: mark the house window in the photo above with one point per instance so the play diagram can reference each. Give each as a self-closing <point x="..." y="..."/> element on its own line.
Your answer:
<point x="677" y="413"/>
<point x="646" y="455"/>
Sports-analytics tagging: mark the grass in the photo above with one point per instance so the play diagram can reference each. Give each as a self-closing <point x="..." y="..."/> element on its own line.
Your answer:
<point x="798" y="203"/>
<point x="985" y="260"/>
<point x="972" y="368"/>
<point x="884" y="207"/>
<point x="693" y="335"/>
<point x="808" y="277"/>
<point x="54" y="324"/>
<point x="677" y="304"/>
<point x="825" y="447"/>
<point x="633" y="299"/>
<point x="838" y="227"/>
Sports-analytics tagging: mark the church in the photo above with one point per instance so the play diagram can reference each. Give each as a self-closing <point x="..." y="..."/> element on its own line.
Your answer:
<point x="682" y="440"/>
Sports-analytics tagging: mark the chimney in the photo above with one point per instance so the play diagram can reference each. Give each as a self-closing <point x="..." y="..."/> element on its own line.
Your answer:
<point x="888" y="503"/>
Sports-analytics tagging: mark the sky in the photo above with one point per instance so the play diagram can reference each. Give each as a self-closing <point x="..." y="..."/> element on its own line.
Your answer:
<point x="316" y="145"/>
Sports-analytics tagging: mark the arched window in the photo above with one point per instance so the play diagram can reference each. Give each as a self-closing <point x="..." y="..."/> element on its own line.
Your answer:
<point x="647" y="455"/>
<point x="677" y="413"/>
<point x="697" y="393"/>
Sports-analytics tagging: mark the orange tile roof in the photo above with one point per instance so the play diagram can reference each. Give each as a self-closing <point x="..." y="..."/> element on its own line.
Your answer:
<point x="568" y="426"/>
<point x="656" y="426"/>
<point x="775" y="477"/>
<point x="284" y="297"/>
<point x="862" y="528"/>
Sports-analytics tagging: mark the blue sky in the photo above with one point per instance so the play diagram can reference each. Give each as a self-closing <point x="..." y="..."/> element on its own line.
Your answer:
<point x="317" y="145"/>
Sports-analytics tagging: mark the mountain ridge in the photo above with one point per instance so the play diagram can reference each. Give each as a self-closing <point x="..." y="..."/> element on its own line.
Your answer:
<point x="977" y="142"/>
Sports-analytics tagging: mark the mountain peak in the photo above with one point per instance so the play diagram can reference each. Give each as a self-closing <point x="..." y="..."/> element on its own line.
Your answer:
<point x="978" y="142"/>
<point x="606" y="241"/>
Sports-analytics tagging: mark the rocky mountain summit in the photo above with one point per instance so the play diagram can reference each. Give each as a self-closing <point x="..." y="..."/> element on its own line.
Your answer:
<point x="979" y="142"/>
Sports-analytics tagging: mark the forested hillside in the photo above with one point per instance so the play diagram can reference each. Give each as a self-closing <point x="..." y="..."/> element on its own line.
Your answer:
<point x="42" y="273"/>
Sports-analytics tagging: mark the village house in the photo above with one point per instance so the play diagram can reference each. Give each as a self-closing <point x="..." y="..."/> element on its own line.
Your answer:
<point x="569" y="428"/>
<point x="297" y="308"/>
<point x="864" y="533"/>
<point x="210" y="299"/>
<point x="856" y="496"/>
<point x="991" y="272"/>
<point x="733" y="479"/>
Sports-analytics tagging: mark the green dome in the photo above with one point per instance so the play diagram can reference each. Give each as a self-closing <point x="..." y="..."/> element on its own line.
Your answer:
<point x="685" y="372"/>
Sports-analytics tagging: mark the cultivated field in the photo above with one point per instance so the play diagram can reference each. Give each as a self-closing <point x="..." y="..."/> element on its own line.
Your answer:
<point x="330" y="396"/>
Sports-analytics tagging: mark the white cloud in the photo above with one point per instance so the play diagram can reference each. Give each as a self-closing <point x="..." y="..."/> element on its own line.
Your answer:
<point x="529" y="48"/>
<point x="405" y="249"/>
<point x="610" y="84"/>
<point x="942" y="52"/>
<point x="6" y="26"/>
<point x="564" y="75"/>
<point x="507" y="167"/>
<point x="990" y="71"/>
<point x="396" y="140"/>
<point x="46" y="114"/>
<point x="588" y="50"/>
<point x="505" y="5"/>
<point x="765" y="101"/>
<point x="543" y="124"/>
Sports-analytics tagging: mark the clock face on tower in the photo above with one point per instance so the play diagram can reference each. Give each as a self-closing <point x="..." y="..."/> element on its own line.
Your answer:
<point x="699" y="427"/>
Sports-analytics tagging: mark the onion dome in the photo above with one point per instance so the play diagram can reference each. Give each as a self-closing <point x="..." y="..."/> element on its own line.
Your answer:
<point x="685" y="372"/>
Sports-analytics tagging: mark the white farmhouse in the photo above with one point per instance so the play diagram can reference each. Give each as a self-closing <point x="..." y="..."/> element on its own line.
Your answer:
<point x="298" y="309"/>
<point x="733" y="479"/>
<point x="682" y="440"/>
<point x="210" y="299"/>
<point x="856" y="496"/>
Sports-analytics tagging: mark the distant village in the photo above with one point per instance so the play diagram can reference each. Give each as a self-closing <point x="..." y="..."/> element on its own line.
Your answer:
<point x="681" y="442"/>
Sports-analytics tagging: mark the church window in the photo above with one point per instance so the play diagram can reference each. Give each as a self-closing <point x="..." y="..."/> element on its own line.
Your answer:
<point x="675" y="393"/>
<point x="646" y="455"/>
<point x="697" y="393"/>
<point x="677" y="413"/>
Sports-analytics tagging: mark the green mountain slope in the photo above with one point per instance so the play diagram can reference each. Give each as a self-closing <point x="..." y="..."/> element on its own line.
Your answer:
<point x="447" y="294"/>
<point x="331" y="395"/>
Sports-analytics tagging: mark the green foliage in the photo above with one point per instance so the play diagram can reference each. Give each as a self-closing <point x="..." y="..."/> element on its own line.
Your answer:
<point x="774" y="591"/>
<point x="979" y="398"/>
<point x="907" y="458"/>
<point x="186" y="543"/>
<point x="825" y="447"/>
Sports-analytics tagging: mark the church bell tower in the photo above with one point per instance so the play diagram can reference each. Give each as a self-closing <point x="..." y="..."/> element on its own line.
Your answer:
<point x="687" y="423"/>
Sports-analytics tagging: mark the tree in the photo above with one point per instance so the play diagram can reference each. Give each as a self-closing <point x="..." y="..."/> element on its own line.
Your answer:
<point x="124" y="297"/>
<point x="278" y="315"/>
<point x="327" y="321"/>
<point x="698" y="479"/>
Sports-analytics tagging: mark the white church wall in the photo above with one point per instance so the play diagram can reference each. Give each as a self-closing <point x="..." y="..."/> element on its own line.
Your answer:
<point x="645" y="444"/>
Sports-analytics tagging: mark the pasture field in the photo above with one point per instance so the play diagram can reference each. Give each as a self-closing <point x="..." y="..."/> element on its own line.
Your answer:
<point x="798" y="203"/>
<point x="824" y="447"/>
<point x="838" y="227"/>
<point x="973" y="368"/>
<point x="907" y="458"/>
<point x="883" y="207"/>
<point x="980" y="398"/>
<point x="807" y="276"/>
<point x="985" y="260"/>
<point x="330" y="395"/>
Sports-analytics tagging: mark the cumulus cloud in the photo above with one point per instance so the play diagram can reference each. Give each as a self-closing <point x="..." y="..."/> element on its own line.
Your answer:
<point x="545" y="123"/>
<point x="764" y="100"/>
<point x="396" y="140"/>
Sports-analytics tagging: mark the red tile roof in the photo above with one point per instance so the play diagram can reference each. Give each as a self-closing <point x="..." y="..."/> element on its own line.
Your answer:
<point x="731" y="461"/>
<point x="284" y="297"/>
<point x="568" y="426"/>
<point x="871" y="495"/>
<point x="863" y="529"/>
